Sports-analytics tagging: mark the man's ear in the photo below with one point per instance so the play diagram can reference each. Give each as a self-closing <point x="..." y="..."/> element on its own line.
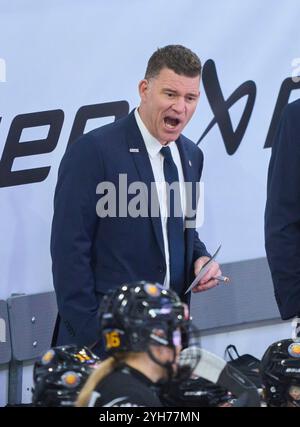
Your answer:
<point x="143" y="88"/>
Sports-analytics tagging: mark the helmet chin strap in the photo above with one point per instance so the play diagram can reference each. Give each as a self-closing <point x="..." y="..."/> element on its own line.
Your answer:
<point x="168" y="366"/>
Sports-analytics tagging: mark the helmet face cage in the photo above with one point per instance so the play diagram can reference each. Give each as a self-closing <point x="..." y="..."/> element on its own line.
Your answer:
<point x="280" y="370"/>
<point x="60" y="373"/>
<point x="140" y="314"/>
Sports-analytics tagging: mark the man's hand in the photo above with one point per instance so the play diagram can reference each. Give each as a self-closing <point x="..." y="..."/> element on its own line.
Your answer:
<point x="207" y="281"/>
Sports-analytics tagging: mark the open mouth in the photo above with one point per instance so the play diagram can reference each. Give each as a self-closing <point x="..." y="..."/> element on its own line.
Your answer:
<point x="171" y="122"/>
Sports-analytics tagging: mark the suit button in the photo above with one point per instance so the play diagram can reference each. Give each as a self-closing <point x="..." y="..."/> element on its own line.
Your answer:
<point x="161" y="269"/>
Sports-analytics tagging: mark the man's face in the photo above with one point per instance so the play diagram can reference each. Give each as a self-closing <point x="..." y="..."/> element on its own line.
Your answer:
<point x="294" y="395"/>
<point x="168" y="102"/>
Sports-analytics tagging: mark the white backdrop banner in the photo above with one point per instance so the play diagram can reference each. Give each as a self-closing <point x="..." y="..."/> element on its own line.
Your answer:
<point x="69" y="66"/>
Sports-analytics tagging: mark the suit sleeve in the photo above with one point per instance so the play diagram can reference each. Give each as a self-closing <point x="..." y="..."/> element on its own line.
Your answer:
<point x="199" y="247"/>
<point x="73" y="227"/>
<point x="282" y="214"/>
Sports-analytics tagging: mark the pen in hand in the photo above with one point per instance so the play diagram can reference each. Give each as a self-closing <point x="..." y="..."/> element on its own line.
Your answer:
<point x="224" y="279"/>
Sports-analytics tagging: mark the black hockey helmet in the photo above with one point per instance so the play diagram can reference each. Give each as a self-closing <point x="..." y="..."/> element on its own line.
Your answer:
<point x="60" y="373"/>
<point x="280" y="369"/>
<point x="138" y="314"/>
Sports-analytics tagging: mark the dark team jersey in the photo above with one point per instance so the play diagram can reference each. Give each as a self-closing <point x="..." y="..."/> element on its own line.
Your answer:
<point x="125" y="387"/>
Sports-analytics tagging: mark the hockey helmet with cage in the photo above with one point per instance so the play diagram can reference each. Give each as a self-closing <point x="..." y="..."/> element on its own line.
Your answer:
<point x="280" y="370"/>
<point x="60" y="373"/>
<point x="138" y="314"/>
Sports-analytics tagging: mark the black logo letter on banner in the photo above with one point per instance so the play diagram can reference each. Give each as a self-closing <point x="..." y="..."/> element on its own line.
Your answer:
<point x="14" y="148"/>
<point x="220" y="107"/>
<point x="286" y="88"/>
<point x="117" y="109"/>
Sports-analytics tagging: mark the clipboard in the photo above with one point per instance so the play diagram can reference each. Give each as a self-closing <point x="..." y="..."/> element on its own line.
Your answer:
<point x="203" y="271"/>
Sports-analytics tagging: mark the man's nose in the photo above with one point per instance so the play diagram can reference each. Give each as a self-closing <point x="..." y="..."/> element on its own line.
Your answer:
<point x="179" y="105"/>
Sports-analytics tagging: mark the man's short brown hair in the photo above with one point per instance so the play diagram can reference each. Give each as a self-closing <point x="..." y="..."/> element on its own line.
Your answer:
<point x="178" y="58"/>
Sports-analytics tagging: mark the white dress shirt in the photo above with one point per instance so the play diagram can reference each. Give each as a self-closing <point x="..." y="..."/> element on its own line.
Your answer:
<point x="153" y="147"/>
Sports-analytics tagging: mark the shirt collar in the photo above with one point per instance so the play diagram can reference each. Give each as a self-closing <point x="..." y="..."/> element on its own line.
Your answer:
<point x="153" y="146"/>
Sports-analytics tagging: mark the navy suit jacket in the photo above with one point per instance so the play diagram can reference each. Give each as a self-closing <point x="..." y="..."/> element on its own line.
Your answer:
<point x="282" y="214"/>
<point x="91" y="255"/>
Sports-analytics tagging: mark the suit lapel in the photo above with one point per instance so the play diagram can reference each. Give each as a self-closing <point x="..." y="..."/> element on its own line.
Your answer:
<point x="138" y="151"/>
<point x="185" y="160"/>
<point x="187" y="168"/>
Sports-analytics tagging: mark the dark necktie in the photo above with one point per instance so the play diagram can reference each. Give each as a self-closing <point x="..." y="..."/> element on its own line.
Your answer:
<point x="174" y="223"/>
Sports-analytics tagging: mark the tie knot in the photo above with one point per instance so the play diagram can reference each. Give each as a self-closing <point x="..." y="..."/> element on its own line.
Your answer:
<point x="166" y="152"/>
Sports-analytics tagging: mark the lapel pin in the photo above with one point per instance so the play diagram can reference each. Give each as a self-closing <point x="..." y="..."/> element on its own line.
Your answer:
<point x="134" y="150"/>
<point x="190" y="163"/>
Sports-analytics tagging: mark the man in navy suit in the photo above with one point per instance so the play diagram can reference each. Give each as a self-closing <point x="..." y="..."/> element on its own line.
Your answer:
<point x="282" y="215"/>
<point x="96" y="244"/>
